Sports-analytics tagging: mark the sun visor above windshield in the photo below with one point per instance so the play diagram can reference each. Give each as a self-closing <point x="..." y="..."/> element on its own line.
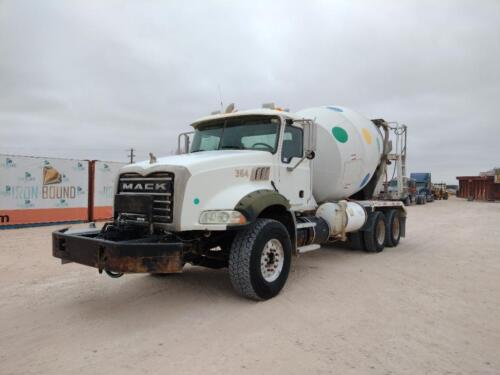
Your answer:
<point x="255" y="112"/>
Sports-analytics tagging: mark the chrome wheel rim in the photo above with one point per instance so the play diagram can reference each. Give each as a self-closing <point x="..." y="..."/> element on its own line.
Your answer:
<point x="395" y="228"/>
<point x="380" y="232"/>
<point x="272" y="260"/>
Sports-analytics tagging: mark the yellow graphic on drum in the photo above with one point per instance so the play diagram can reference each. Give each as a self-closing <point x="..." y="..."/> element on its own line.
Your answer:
<point x="366" y="135"/>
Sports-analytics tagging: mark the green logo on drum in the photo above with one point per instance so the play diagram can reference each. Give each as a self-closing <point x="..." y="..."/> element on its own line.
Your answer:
<point x="340" y="134"/>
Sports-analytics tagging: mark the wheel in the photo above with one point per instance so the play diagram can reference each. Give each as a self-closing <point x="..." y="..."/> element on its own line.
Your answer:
<point x="356" y="240"/>
<point x="392" y="228"/>
<point x="259" y="259"/>
<point x="407" y="201"/>
<point x="374" y="235"/>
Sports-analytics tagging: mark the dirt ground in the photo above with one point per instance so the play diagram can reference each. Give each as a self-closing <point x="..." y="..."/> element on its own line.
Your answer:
<point x="429" y="306"/>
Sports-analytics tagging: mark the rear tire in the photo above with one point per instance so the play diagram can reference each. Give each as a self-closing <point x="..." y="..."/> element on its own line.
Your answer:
<point x="375" y="232"/>
<point x="259" y="259"/>
<point x="392" y="228"/>
<point x="356" y="240"/>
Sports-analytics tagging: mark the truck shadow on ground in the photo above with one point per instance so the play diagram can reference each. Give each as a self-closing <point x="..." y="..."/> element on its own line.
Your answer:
<point x="177" y="294"/>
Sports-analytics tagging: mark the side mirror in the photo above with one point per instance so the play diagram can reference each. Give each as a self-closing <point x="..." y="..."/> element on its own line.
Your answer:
<point x="310" y="139"/>
<point x="310" y="155"/>
<point x="183" y="143"/>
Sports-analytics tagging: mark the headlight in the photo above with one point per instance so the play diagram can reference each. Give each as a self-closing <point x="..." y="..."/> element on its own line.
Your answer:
<point x="222" y="217"/>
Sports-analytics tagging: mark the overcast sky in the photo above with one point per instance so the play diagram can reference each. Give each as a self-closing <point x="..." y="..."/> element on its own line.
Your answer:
<point x="89" y="79"/>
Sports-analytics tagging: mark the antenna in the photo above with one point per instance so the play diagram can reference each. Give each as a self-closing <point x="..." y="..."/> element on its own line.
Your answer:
<point x="220" y="98"/>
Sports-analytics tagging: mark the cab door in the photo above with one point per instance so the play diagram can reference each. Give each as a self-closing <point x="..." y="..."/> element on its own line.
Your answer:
<point x="296" y="184"/>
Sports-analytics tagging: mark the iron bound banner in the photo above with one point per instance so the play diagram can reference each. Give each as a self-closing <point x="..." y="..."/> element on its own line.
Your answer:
<point x="39" y="190"/>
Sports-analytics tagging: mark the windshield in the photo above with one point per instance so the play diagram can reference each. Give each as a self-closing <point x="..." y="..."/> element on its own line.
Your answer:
<point x="240" y="133"/>
<point x="421" y="185"/>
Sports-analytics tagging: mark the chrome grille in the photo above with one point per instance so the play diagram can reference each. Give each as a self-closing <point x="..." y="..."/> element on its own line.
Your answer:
<point x="160" y="185"/>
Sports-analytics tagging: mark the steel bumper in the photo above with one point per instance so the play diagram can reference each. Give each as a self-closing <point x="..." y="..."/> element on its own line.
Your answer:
<point x="130" y="256"/>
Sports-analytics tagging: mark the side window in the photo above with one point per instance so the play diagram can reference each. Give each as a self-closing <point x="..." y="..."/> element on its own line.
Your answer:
<point x="293" y="145"/>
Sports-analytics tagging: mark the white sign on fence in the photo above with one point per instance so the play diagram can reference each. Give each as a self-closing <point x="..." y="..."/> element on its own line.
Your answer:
<point x="105" y="174"/>
<point x="34" y="189"/>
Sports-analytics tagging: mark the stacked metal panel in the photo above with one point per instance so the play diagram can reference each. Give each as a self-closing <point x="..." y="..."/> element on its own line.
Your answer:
<point x="104" y="175"/>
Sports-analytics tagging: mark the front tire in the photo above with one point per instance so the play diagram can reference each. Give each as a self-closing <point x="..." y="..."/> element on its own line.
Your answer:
<point x="259" y="259"/>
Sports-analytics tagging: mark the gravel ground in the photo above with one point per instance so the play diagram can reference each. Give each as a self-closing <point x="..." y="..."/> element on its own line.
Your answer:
<point x="429" y="306"/>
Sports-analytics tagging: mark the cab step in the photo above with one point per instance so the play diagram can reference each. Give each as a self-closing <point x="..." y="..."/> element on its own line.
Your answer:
<point x="307" y="248"/>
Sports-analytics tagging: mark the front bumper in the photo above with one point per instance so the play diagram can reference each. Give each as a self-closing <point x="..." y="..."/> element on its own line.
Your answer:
<point x="137" y="256"/>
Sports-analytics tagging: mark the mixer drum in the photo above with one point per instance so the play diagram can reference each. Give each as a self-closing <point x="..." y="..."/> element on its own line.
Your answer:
<point x="348" y="151"/>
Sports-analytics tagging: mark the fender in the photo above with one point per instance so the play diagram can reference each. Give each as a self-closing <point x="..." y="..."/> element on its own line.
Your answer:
<point x="254" y="203"/>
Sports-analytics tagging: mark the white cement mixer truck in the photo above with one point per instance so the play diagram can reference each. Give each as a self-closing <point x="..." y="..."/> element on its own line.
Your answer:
<point x="250" y="191"/>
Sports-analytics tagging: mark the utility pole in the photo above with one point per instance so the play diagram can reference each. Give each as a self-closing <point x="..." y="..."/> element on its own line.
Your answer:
<point x="220" y="97"/>
<point x="131" y="155"/>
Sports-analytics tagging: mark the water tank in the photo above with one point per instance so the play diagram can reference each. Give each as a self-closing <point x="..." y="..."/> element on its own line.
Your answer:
<point x="349" y="148"/>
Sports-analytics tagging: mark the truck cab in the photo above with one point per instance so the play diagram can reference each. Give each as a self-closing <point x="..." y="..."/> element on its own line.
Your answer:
<point x="405" y="193"/>
<point x="423" y="186"/>
<point x="230" y="157"/>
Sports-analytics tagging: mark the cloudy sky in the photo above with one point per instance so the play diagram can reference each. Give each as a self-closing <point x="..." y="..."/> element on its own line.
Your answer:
<point x="90" y="79"/>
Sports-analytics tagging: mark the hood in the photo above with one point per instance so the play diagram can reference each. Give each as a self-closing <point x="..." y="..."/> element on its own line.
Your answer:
<point x="202" y="161"/>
